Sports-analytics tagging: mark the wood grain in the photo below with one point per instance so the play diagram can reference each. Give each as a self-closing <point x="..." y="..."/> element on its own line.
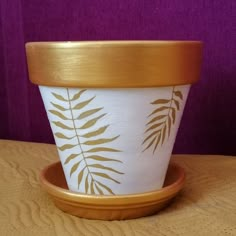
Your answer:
<point x="206" y="206"/>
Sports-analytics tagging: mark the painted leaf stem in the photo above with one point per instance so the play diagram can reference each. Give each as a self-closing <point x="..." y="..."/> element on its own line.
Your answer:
<point x="92" y="175"/>
<point x="161" y="119"/>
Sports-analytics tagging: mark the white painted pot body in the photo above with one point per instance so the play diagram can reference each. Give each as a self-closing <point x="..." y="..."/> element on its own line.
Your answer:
<point x="114" y="140"/>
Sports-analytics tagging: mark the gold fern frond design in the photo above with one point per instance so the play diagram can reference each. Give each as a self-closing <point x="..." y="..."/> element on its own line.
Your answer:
<point x="160" y="121"/>
<point x="91" y="168"/>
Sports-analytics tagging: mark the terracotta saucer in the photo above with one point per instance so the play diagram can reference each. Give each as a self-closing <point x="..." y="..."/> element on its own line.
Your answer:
<point x="104" y="207"/>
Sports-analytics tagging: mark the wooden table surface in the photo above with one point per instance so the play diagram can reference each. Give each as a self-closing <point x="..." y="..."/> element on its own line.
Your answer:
<point x="206" y="206"/>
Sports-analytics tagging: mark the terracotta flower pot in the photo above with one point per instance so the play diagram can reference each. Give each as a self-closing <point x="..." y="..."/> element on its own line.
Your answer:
<point x="114" y="108"/>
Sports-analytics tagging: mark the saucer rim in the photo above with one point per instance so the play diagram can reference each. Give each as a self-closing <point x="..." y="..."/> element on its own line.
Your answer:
<point x="150" y="197"/>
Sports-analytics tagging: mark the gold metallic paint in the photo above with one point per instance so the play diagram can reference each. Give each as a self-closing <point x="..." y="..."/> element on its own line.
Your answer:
<point x="114" y="64"/>
<point x="108" y="207"/>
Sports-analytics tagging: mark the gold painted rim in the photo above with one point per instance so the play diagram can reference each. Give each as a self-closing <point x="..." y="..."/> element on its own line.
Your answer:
<point x="114" y="64"/>
<point x="108" y="201"/>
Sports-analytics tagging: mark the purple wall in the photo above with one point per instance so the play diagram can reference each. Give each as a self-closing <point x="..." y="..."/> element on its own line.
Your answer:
<point x="208" y="124"/>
